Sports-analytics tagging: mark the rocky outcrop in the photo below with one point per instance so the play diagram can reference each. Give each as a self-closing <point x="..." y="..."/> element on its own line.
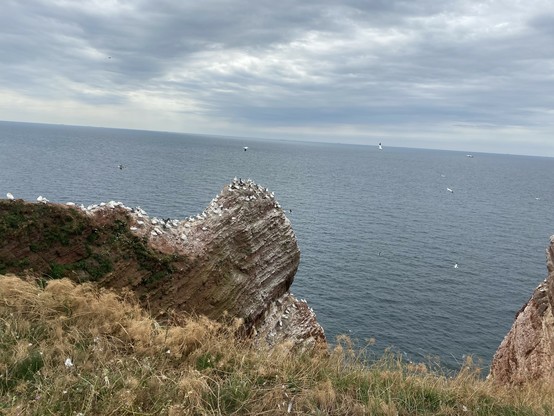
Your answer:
<point x="290" y="320"/>
<point x="237" y="258"/>
<point x="527" y="353"/>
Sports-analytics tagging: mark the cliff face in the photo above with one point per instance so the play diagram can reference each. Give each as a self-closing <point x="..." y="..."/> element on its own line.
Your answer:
<point x="527" y="352"/>
<point x="237" y="258"/>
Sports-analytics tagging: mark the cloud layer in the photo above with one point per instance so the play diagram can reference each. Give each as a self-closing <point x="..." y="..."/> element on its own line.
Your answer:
<point x="455" y="74"/>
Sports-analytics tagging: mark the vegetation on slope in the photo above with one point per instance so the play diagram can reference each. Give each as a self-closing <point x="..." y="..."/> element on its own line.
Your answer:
<point x="77" y="350"/>
<point x="56" y="241"/>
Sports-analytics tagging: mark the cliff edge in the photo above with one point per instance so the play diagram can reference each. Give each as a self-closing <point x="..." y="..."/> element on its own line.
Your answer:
<point x="237" y="258"/>
<point x="527" y="352"/>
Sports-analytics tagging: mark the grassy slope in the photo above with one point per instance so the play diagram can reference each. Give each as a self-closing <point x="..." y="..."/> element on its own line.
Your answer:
<point x="39" y="236"/>
<point x="123" y="362"/>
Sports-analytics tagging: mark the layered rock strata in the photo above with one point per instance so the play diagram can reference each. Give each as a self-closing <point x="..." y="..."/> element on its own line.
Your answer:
<point x="527" y="352"/>
<point x="237" y="258"/>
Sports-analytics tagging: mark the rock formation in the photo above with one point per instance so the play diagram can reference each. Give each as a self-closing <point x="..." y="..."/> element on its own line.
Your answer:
<point x="237" y="258"/>
<point x="527" y="353"/>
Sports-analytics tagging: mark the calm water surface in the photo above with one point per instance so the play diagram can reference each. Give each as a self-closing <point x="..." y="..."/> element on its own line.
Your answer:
<point x="378" y="231"/>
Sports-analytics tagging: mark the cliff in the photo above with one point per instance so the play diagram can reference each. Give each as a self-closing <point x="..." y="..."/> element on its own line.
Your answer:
<point x="527" y="352"/>
<point x="237" y="258"/>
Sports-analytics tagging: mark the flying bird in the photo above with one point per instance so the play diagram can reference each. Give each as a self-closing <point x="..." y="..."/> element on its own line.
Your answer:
<point x="245" y="148"/>
<point x="449" y="190"/>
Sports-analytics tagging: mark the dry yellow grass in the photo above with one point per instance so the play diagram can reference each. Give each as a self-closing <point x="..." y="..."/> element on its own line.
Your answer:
<point x="77" y="350"/>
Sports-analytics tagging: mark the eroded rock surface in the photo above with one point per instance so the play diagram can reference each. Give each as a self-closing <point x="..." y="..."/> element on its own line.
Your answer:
<point x="527" y="352"/>
<point x="237" y="258"/>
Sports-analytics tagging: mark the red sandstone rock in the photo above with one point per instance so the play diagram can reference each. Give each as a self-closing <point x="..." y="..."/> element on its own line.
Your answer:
<point x="527" y="352"/>
<point x="237" y="258"/>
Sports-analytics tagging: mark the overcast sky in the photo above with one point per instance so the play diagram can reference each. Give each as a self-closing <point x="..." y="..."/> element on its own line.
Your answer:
<point x="449" y="74"/>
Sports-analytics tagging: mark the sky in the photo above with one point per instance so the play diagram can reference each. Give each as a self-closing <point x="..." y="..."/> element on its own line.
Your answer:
<point x="446" y="74"/>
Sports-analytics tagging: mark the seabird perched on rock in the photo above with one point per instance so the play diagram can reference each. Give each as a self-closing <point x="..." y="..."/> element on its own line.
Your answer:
<point x="42" y="199"/>
<point x="10" y="196"/>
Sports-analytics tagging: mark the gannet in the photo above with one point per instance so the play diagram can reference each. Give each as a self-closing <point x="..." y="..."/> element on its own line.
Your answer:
<point x="449" y="190"/>
<point x="380" y="146"/>
<point x="9" y="196"/>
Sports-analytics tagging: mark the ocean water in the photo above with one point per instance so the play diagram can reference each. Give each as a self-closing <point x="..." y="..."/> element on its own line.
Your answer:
<point x="378" y="231"/>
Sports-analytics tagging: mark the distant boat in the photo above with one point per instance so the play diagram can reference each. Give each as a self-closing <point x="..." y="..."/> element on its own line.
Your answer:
<point x="380" y="146"/>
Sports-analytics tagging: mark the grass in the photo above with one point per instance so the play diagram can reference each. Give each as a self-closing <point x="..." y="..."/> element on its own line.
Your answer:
<point x="47" y="233"/>
<point x="125" y="363"/>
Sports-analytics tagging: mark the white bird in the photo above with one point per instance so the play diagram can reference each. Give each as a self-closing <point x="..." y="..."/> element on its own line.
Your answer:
<point x="42" y="199"/>
<point x="456" y="265"/>
<point x="9" y="196"/>
<point x="245" y="148"/>
<point x="380" y="146"/>
<point x="449" y="190"/>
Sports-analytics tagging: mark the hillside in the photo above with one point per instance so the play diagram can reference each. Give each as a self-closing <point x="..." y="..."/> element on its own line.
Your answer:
<point x="237" y="258"/>
<point x="70" y="349"/>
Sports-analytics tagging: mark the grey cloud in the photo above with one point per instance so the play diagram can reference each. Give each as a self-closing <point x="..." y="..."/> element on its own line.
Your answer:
<point x="289" y="63"/>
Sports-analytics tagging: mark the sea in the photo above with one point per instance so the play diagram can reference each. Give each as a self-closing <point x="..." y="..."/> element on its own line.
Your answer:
<point x="389" y="256"/>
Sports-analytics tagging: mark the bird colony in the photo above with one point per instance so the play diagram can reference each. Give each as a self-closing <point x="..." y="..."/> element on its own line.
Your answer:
<point x="179" y="230"/>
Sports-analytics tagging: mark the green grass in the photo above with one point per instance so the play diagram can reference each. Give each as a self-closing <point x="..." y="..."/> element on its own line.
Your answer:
<point x="127" y="364"/>
<point x="46" y="233"/>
